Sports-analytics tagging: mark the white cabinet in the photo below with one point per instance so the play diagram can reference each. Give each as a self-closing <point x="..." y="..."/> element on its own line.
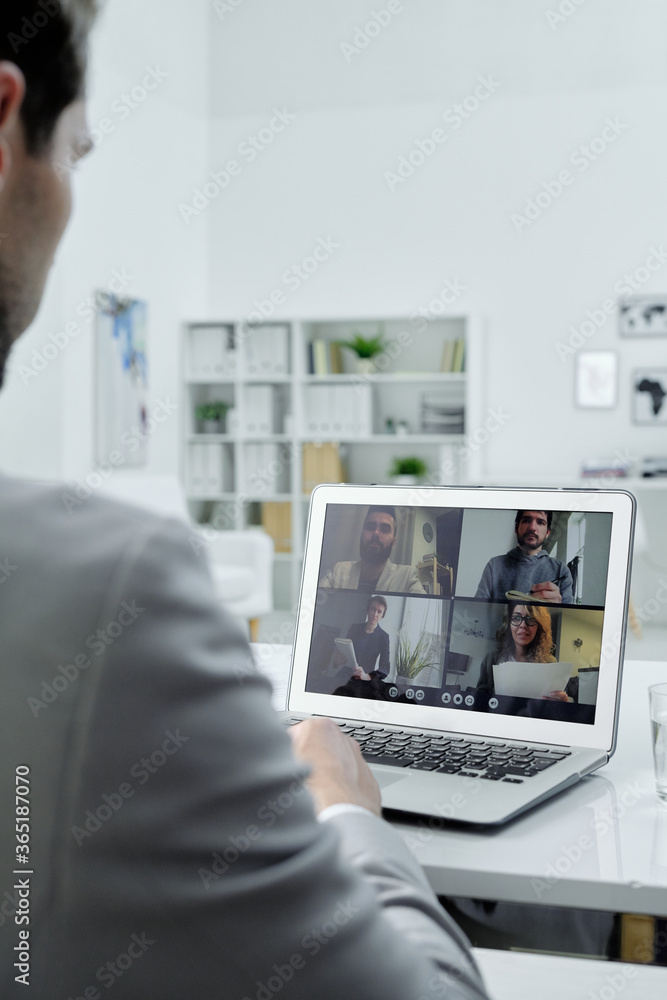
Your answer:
<point x="287" y="427"/>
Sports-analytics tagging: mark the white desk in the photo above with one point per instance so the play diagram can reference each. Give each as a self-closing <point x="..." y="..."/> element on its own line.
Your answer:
<point x="510" y="975"/>
<point x="538" y="858"/>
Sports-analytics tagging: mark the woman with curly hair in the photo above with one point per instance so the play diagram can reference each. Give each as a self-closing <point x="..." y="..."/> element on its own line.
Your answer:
<point x="525" y="635"/>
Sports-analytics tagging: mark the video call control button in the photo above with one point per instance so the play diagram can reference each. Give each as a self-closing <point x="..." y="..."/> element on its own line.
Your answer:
<point x="493" y="703"/>
<point x="393" y="692"/>
<point x="470" y="700"/>
<point x="410" y="693"/>
<point x="446" y="698"/>
<point x="458" y="699"/>
<point x="419" y="695"/>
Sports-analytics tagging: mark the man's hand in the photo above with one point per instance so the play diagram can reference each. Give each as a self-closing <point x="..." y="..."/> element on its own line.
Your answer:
<point x="546" y="591"/>
<point x="361" y="674"/>
<point x="340" y="773"/>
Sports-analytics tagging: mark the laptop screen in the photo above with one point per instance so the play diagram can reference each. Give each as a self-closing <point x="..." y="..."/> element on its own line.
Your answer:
<point x="486" y="610"/>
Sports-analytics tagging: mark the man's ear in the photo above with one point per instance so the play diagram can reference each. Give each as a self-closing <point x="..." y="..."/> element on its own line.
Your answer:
<point x="12" y="92"/>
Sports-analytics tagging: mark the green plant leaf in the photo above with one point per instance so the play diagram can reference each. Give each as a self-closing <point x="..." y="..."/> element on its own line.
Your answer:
<point x="215" y="410"/>
<point x="409" y="466"/>
<point x="365" y="347"/>
<point x="411" y="660"/>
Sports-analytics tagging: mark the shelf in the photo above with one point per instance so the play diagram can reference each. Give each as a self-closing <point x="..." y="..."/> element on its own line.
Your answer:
<point x="212" y="438"/>
<point x="394" y="377"/>
<point x="400" y="440"/>
<point x="267" y="497"/>
<point x="266" y="438"/>
<point x="261" y="372"/>
<point x="210" y="497"/>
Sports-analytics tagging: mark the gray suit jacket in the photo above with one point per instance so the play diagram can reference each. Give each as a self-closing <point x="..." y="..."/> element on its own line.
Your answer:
<point x="173" y="851"/>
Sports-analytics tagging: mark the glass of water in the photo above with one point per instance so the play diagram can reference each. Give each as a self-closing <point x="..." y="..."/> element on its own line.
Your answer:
<point x="658" y="704"/>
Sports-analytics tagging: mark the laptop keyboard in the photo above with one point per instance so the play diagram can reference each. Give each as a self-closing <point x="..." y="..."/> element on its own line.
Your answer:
<point x="490" y="759"/>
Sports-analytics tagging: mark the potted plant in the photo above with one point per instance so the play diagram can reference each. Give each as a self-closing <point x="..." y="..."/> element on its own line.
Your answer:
<point x="365" y="348"/>
<point x="408" y="471"/>
<point x="411" y="660"/>
<point x="210" y="416"/>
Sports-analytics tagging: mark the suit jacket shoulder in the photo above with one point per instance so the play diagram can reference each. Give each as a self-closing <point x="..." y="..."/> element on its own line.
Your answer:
<point x="170" y="824"/>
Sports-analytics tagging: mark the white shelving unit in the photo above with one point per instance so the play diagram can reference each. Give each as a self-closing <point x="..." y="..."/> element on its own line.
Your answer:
<point x="278" y="407"/>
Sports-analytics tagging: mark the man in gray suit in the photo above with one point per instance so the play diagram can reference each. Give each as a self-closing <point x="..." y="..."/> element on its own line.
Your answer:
<point x="156" y="835"/>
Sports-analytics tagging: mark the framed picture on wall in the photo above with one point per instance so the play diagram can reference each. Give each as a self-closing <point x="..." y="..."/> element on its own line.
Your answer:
<point x="643" y="315"/>
<point x="121" y="380"/>
<point x="596" y="380"/>
<point x="649" y="396"/>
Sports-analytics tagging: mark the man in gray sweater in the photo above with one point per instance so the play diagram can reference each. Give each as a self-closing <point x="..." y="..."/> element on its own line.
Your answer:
<point x="528" y="568"/>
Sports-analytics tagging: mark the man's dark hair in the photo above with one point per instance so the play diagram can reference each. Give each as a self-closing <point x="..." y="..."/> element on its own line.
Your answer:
<point x="383" y="510"/>
<point x="48" y="41"/>
<point x="376" y="599"/>
<point x="547" y="513"/>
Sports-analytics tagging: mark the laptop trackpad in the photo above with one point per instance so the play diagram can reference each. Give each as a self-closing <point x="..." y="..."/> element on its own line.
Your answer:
<point x="385" y="778"/>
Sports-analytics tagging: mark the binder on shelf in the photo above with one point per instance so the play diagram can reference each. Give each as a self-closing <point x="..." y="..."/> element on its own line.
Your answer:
<point x="337" y="410"/>
<point x="195" y="352"/>
<point x="197" y="469"/>
<point x="347" y="403"/>
<point x="277" y="522"/>
<point x="208" y="351"/>
<point x="206" y="469"/>
<point x="320" y="357"/>
<point x="335" y="357"/>
<point x="321" y="463"/>
<point x="363" y="409"/>
<point x="214" y="468"/>
<point x="232" y="421"/>
<point x="258" y="350"/>
<point x="313" y="403"/>
<point x="230" y="349"/>
<point x="265" y="465"/>
<point x="459" y="355"/>
<point x="266" y="349"/>
<point x="280" y="346"/>
<point x="259" y="409"/>
<point x="453" y="353"/>
<point x="447" y="355"/>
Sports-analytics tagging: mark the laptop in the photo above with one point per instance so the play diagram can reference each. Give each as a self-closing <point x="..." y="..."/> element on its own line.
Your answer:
<point x="433" y="590"/>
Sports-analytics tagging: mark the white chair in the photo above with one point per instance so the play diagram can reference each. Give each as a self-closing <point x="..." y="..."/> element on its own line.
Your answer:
<point x="242" y="568"/>
<point x="241" y="562"/>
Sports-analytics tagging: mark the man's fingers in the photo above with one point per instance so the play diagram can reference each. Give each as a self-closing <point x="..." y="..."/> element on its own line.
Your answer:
<point x="339" y="772"/>
<point x="546" y="591"/>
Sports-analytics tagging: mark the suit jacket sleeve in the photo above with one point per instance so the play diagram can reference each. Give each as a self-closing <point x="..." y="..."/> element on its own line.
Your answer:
<point x="384" y="666"/>
<point x="184" y="837"/>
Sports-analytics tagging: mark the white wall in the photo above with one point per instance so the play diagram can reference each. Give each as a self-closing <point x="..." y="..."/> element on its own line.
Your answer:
<point x="127" y="221"/>
<point x="324" y="175"/>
